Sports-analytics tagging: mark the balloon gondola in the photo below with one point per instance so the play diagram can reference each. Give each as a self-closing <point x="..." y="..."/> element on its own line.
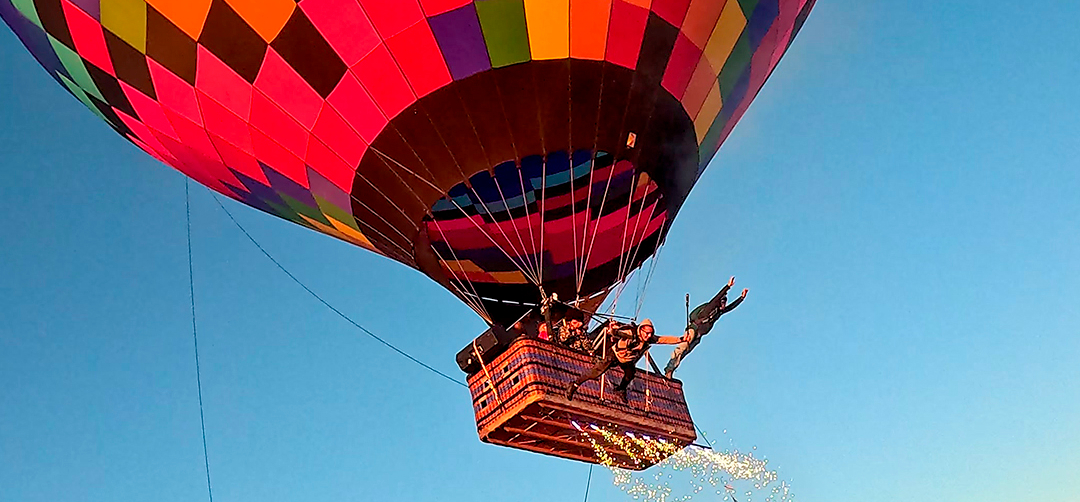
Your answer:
<point x="519" y="400"/>
<point x="510" y="150"/>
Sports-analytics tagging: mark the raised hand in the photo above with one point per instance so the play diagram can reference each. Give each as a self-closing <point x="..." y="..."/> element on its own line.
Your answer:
<point x="731" y="282"/>
<point x="744" y="292"/>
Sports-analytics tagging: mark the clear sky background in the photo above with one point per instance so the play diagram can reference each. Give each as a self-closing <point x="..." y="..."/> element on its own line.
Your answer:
<point x="902" y="200"/>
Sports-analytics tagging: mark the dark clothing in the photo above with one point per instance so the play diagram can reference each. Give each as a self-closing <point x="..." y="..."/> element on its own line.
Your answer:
<point x="604" y="364"/>
<point x="623" y="349"/>
<point x="576" y="339"/>
<point x="628" y="346"/>
<point x="701" y="322"/>
<point x="705" y="315"/>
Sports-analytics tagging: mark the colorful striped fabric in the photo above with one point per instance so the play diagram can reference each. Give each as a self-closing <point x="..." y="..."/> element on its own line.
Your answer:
<point x="365" y="119"/>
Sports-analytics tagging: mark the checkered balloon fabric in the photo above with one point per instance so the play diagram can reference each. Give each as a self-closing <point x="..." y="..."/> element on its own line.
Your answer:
<point x="494" y="145"/>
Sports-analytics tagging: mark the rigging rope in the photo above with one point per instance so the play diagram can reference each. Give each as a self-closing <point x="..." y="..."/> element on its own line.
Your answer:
<point x="706" y="438"/>
<point x="588" y="483"/>
<point x="534" y="275"/>
<point x="328" y="305"/>
<point x="645" y="287"/>
<point x="596" y="225"/>
<point x="195" y="336"/>
<point x="634" y="249"/>
<point x="584" y="223"/>
<point x="475" y="301"/>
<point x="524" y="270"/>
<point x="528" y="218"/>
<point x="506" y="206"/>
<point x="573" y="217"/>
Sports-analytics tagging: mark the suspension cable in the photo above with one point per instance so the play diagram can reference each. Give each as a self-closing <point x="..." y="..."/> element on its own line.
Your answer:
<point x="584" y="223"/>
<point x="528" y="219"/>
<point x="517" y="232"/>
<point x="195" y="336"/>
<point x="632" y="251"/>
<point x="327" y="304"/>
<point x="475" y="302"/>
<point x="524" y="270"/>
<point x="588" y="483"/>
<point x="596" y="225"/>
<point x="652" y="268"/>
<point x="480" y="310"/>
<point x="622" y="242"/>
<point x="573" y="218"/>
<point x="706" y="438"/>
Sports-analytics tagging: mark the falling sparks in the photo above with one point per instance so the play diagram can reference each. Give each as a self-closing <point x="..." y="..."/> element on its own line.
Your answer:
<point x="710" y="471"/>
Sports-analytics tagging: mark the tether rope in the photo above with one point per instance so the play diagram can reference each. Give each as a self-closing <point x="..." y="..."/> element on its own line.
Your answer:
<point x="706" y="438"/>
<point x="195" y="336"/>
<point x="588" y="483"/>
<point x="328" y="305"/>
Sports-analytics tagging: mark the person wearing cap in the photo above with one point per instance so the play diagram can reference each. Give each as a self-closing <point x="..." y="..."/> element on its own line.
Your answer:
<point x="571" y="333"/>
<point x="700" y="322"/>
<point x="628" y="342"/>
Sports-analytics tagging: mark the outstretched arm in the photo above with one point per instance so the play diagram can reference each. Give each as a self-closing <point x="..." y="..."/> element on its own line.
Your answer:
<point x="715" y="302"/>
<point x="669" y="340"/>
<point x="731" y="306"/>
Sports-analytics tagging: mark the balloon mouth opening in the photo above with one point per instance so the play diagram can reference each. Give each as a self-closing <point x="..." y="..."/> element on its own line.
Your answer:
<point x="574" y="222"/>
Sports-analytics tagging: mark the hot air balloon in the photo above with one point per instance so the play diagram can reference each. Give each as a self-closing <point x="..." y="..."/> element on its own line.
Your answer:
<point x="511" y="150"/>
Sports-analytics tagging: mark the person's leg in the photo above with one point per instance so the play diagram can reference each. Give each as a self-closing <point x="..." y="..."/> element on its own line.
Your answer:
<point x="629" y="370"/>
<point x="598" y="369"/>
<point x="676" y="357"/>
<point x="693" y="344"/>
<point x="681" y="350"/>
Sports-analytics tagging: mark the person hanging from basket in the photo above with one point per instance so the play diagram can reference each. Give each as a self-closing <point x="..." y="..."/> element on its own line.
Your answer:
<point x="700" y="322"/>
<point x="624" y="346"/>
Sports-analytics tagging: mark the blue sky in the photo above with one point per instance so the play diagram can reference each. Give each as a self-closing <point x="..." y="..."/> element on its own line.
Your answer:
<point x="901" y="201"/>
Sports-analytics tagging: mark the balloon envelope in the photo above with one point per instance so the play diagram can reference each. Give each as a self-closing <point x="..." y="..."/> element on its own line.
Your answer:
<point x="495" y="145"/>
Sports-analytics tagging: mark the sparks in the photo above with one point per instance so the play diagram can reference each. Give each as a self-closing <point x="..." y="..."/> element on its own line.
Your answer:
<point x="719" y="471"/>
